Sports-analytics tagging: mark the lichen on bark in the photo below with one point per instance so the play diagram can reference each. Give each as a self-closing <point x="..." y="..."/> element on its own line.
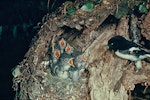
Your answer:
<point x="104" y="77"/>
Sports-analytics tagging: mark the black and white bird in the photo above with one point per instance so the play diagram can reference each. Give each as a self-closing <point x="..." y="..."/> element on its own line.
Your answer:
<point x="128" y="50"/>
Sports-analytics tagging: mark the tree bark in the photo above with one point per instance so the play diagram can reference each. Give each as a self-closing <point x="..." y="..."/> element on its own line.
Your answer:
<point x="104" y="77"/>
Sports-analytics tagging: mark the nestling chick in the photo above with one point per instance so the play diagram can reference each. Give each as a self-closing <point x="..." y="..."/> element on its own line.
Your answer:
<point x="66" y="63"/>
<point x="69" y="49"/>
<point x="128" y="50"/>
<point x="62" y="44"/>
<point x="56" y="55"/>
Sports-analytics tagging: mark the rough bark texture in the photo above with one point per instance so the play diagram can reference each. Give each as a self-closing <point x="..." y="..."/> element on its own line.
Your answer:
<point x="105" y="76"/>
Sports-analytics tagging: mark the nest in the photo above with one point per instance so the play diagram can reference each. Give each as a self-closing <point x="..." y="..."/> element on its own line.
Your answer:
<point x="104" y="75"/>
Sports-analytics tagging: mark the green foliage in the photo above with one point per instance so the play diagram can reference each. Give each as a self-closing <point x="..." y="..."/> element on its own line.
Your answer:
<point x="122" y="11"/>
<point x="142" y="8"/>
<point x="88" y="6"/>
<point x="71" y="11"/>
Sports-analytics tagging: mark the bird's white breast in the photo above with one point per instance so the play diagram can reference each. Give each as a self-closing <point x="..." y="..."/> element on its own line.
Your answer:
<point x="126" y="56"/>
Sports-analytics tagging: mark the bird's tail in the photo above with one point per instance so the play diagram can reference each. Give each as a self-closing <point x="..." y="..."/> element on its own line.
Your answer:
<point x="148" y="55"/>
<point x="148" y="58"/>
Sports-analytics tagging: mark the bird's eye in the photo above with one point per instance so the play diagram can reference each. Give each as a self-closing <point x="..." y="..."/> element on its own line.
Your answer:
<point x="112" y="44"/>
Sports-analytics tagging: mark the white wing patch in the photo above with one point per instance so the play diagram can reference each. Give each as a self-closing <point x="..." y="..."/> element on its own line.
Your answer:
<point x="130" y="56"/>
<point x="134" y="49"/>
<point x="126" y="56"/>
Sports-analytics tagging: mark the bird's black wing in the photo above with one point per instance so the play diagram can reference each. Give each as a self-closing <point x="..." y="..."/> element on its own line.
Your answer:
<point x="135" y="49"/>
<point x="143" y="49"/>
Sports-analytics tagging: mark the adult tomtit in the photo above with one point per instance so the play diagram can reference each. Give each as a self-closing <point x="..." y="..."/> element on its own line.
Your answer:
<point x="128" y="50"/>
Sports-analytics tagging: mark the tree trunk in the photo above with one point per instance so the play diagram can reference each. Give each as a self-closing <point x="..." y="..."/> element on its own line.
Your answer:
<point x="103" y="76"/>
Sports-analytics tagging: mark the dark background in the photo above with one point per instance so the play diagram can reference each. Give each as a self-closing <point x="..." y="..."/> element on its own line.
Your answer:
<point x="17" y="19"/>
<point x="14" y="43"/>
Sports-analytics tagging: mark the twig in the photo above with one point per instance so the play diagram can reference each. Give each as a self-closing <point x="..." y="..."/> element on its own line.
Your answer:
<point x="134" y="30"/>
<point x="48" y="1"/>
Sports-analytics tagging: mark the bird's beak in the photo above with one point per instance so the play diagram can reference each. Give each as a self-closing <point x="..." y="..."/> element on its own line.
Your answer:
<point x="106" y="46"/>
<point x="110" y="48"/>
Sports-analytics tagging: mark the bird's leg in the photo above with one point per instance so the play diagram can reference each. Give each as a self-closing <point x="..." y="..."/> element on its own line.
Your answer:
<point x="138" y="65"/>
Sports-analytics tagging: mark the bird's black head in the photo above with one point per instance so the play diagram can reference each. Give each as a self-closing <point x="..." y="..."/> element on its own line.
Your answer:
<point x="116" y="43"/>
